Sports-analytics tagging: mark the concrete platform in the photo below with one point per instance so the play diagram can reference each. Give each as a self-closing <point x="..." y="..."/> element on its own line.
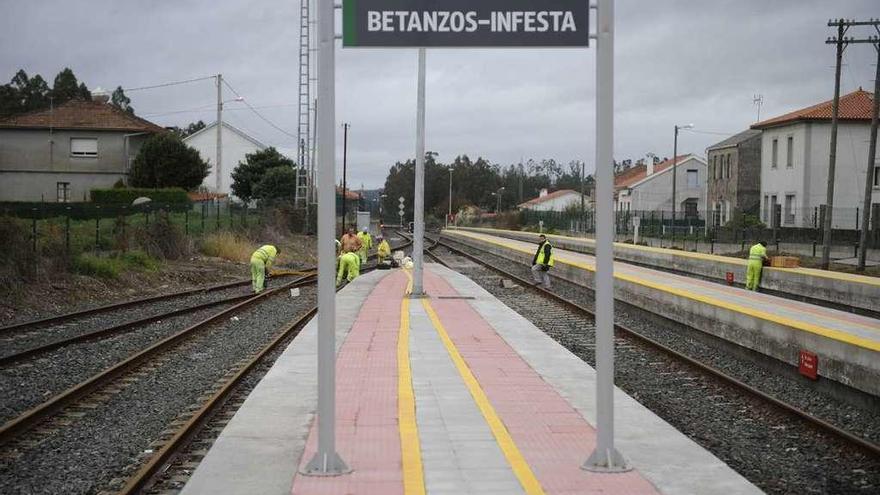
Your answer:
<point x="848" y="345"/>
<point x="454" y="394"/>
<point x="836" y="289"/>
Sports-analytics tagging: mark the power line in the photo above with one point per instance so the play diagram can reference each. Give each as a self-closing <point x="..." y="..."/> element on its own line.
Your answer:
<point x="211" y="106"/>
<point x="173" y="83"/>
<point x="258" y="114"/>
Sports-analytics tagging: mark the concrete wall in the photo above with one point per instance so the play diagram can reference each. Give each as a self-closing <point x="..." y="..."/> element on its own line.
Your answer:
<point x="655" y="192"/>
<point x="807" y="179"/>
<point x="235" y="147"/>
<point x="850" y="365"/>
<point x="801" y="285"/>
<point x="32" y="162"/>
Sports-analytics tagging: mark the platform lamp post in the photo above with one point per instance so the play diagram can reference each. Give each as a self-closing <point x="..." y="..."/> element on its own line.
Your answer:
<point x="449" y="214"/>
<point x="675" y="171"/>
<point x="497" y="195"/>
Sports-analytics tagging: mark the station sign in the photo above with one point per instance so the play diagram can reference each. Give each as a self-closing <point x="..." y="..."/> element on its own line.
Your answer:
<point x="465" y="23"/>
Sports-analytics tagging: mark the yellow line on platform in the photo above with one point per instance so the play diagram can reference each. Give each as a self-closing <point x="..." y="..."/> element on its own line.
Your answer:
<point x="855" y="340"/>
<point x="517" y="462"/>
<point x="410" y="448"/>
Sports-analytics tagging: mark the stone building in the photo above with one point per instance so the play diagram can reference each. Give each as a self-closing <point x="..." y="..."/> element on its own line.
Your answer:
<point x="734" y="182"/>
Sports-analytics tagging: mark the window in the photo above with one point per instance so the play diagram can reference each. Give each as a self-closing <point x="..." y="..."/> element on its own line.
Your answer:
<point x="774" y="156"/>
<point x="789" y="209"/>
<point x="877" y="176"/>
<point x="692" y="178"/>
<point x="766" y="207"/>
<point x="83" y="146"/>
<point x="690" y="208"/>
<point x="789" y="151"/>
<point x="62" y="192"/>
<point x="727" y="167"/>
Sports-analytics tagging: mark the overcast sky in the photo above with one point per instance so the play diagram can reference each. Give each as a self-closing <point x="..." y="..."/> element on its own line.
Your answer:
<point x="681" y="62"/>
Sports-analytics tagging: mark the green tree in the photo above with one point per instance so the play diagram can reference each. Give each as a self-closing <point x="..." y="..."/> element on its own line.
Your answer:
<point x="165" y="161"/>
<point x="277" y="183"/>
<point x="192" y="128"/>
<point x="66" y="87"/>
<point x="23" y="94"/>
<point x="249" y="173"/>
<point x="119" y="99"/>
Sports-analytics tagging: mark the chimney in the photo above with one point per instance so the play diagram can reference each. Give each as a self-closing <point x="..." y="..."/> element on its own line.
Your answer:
<point x="543" y="192"/>
<point x="649" y="162"/>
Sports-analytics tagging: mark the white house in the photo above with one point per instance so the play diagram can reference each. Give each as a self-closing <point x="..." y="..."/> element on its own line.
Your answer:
<point x="795" y="150"/>
<point x="555" y="201"/>
<point x="648" y="187"/>
<point x="235" y="145"/>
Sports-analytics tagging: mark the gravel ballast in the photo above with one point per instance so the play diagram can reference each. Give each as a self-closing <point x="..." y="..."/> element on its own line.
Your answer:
<point x="103" y="443"/>
<point x="778" y="453"/>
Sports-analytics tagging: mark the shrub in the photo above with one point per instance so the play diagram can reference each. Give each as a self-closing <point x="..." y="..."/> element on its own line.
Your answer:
<point x="17" y="260"/>
<point x="228" y="246"/>
<point x="140" y="260"/>
<point x="166" y="161"/>
<point x="162" y="239"/>
<point x="276" y="183"/>
<point x="126" y="196"/>
<point x="248" y="174"/>
<point x="96" y="266"/>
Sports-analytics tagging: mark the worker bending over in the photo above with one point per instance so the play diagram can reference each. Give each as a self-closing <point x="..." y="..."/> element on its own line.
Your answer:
<point x="542" y="262"/>
<point x="349" y="267"/>
<point x="383" y="250"/>
<point x="757" y="255"/>
<point x="261" y="262"/>
<point x="366" y="244"/>
<point x="351" y="243"/>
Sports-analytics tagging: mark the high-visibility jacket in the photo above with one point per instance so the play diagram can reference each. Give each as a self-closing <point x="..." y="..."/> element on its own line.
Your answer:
<point x="757" y="253"/>
<point x="384" y="249"/>
<point x="266" y="254"/>
<point x="366" y="240"/>
<point x="544" y="255"/>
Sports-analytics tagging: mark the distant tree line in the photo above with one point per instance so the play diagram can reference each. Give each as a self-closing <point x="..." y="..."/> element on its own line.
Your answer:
<point x="26" y="94"/>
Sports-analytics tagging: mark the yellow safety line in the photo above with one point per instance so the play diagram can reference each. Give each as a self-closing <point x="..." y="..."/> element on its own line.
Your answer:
<point x="410" y="449"/>
<point x="517" y="462"/>
<point x="807" y="327"/>
<point x="847" y="277"/>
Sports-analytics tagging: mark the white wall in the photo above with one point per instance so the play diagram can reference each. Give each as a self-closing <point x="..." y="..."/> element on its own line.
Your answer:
<point x="559" y="203"/>
<point x="807" y="179"/>
<point x="235" y="147"/>
<point x="655" y="191"/>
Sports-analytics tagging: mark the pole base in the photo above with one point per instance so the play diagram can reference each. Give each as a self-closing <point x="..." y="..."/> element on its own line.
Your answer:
<point x="325" y="465"/>
<point x="607" y="461"/>
<point x="422" y="295"/>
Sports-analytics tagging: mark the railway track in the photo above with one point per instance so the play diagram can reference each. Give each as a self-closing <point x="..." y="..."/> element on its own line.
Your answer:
<point x="796" y="426"/>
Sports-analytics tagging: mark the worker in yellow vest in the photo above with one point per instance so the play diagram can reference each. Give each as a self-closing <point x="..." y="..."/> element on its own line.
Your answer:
<point x="383" y="250"/>
<point x="261" y="262"/>
<point x="349" y="267"/>
<point x="757" y="255"/>
<point x="542" y="262"/>
<point x="366" y="244"/>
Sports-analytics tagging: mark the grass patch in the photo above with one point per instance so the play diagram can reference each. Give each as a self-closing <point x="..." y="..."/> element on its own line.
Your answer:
<point x="228" y="246"/>
<point x="111" y="267"/>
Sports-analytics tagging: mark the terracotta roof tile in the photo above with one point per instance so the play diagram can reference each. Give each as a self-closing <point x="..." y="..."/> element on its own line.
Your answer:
<point x="631" y="176"/>
<point x="548" y="197"/>
<point x="81" y="114"/>
<point x="857" y="105"/>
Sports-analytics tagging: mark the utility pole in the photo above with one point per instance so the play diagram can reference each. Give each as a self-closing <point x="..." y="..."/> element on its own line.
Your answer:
<point x="345" y="127"/>
<point x="419" y="189"/>
<point x="449" y="214"/>
<point x="675" y="171"/>
<point x="219" y="164"/>
<point x="872" y="155"/>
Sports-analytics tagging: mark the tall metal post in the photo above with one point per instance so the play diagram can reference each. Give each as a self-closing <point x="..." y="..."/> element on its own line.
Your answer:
<point x="449" y="214"/>
<point x="872" y="156"/>
<point x="605" y="457"/>
<point x="326" y="461"/>
<point x="344" y="171"/>
<point x="832" y="157"/>
<point x="419" y="202"/>
<point x="219" y="164"/>
<point x="674" y="175"/>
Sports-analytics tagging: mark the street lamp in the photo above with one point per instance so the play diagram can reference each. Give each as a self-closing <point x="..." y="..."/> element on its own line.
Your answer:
<point x="674" y="171"/>
<point x="497" y="195"/>
<point x="449" y="214"/>
<point x="381" y="200"/>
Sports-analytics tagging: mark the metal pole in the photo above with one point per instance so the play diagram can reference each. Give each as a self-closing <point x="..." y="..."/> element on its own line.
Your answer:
<point x="326" y="461"/>
<point x="419" y="203"/>
<point x="674" y="174"/>
<point x="449" y="214"/>
<point x="344" y="170"/>
<point x="872" y="155"/>
<point x="832" y="158"/>
<point x="605" y="457"/>
<point x="219" y="153"/>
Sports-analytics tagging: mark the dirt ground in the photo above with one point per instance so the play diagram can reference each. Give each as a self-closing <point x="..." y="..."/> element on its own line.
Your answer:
<point x="59" y="293"/>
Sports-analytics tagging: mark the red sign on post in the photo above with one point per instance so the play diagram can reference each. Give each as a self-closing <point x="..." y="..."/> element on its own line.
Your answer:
<point x="729" y="278"/>
<point x="808" y="365"/>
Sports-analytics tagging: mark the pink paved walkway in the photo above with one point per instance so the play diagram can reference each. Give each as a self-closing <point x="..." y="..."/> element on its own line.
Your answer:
<point x="554" y="438"/>
<point x="367" y="435"/>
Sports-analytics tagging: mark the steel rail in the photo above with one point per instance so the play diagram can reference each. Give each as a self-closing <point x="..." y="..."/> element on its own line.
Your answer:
<point x="58" y="402"/>
<point x="866" y="445"/>
<point x="116" y="329"/>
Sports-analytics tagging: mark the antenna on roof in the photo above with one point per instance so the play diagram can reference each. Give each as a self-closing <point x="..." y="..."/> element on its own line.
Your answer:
<point x="758" y="101"/>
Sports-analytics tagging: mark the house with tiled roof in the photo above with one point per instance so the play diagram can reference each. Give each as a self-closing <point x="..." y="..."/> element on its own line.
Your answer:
<point x="59" y="154"/>
<point x="795" y="151"/>
<point x="554" y="201"/>
<point x="648" y="187"/>
<point x="235" y="143"/>
<point x="734" y="181"/>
